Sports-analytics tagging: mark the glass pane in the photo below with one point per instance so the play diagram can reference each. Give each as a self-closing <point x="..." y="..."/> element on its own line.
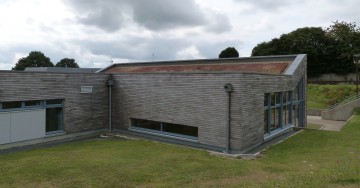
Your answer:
<point x="296" y="93"/>
<point x="54" y="101"/>
<point x="295" y="115"/>
<point x="277" y="120"/>
<point x="288" y="109"/>
<point x="146" y="124"/>
<point x="32" y="103"/>
<point x="272" y="122"/>
<point x="284" y="97"/>
<point x="272" y="98"/>
<point x="9" y="105"/>
<point x="285" y="115"/>
<point x="277" y="98"/>
<point x="265" y="121"/>
<point x="53" y="119"/>
<point x="180" y="129"/>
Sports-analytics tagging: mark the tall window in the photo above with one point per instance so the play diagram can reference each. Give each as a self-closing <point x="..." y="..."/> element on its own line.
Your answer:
<point x="284" y="109"/>
<point x="277" y="111"/>
<point x="298" y="104"/>
<point x="54" y="115"/>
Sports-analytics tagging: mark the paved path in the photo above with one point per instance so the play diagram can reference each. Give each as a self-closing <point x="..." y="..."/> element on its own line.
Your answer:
<point x="328" y="125"/>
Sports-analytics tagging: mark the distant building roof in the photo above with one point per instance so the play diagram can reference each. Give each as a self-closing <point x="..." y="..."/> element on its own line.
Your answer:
<point x="61" y="69"/>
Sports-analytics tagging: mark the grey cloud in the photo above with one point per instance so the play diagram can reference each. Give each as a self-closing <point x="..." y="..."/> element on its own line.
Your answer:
<point x="220" y="23"/>
<point x="106" y="15"/>
<point x="136" y="48"/>
<point x="268" y="4"/>
<point x="160" y="14"/>
<point x="155" y="15"/>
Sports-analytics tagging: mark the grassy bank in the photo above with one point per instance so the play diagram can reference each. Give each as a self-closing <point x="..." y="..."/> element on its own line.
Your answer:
<point x="321" y="96"/>
<point x="311" y="158"/>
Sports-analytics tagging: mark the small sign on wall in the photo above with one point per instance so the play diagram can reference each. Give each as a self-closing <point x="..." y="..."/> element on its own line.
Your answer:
<point x="86" y="89"/>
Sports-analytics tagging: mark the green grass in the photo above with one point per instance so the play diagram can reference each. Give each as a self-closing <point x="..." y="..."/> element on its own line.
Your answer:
<point x="311" y="158"/>
<point x="321" y="96"/>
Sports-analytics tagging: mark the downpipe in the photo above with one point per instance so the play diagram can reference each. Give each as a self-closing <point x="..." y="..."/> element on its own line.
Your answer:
<point x="110" y="83"/>
<point x="228" y="89"/>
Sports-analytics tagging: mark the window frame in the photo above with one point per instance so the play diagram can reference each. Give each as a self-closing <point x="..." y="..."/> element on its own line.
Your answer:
<point x="46" y="106"/>
<point x="163" y="133"/>
<point x="43" y="105"/>
<point x="275" y="112"/>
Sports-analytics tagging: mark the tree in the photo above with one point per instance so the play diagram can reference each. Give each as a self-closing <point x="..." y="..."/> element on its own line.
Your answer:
<point x="229" y="52"/>
<point x="347" y="43"/>
<point x="312" y="41"/>
<point x="329" y="50"/>
<point x="66" y="62"/>
<point x="34" y="59"/>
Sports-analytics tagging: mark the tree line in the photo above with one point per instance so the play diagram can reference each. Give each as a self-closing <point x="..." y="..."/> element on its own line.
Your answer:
<point x="38" y="59"/>
<point x="329" y="50"/>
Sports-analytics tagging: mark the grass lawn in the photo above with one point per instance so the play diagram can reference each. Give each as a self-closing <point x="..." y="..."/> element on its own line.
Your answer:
<point x="321" y="96"/>
<point x="311" y="158"/>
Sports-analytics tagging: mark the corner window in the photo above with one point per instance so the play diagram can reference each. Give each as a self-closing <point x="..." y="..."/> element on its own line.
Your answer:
<point x="277" y="111"/>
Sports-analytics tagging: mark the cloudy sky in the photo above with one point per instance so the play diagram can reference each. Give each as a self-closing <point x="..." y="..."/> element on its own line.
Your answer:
<point x="98" y="32"/>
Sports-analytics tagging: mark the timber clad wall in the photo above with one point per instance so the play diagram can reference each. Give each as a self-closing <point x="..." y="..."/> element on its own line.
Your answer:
<point x="81" y="111"/>
<point x="198" y="99"/>
<point x="193" y="99"/>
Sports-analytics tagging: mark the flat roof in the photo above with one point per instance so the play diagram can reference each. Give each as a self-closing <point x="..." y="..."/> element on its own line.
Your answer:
<point x="260" y="64"/>
<point x="61" y="69"/>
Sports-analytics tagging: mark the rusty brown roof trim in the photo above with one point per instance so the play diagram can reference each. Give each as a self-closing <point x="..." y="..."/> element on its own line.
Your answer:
<point x="206" y="61"/>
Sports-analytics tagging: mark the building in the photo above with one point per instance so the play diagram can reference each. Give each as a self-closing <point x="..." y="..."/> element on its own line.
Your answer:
<point x="228" y="105"/>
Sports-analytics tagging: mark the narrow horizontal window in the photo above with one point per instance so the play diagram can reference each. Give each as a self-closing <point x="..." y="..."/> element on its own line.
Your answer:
<point x="180" y="129"/>
<point x="10" y="105"/>
<point x="166" y="128"/>
<point x="146" y="124"/>
<point x="33" y="103"/>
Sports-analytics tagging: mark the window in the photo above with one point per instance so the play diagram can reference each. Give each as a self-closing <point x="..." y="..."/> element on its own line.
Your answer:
<point x="165" y="128"/>
<point x="180" y="129"/>
<point x="277" y="107"/>
<point x="266" y="127"/>
<point x="146" y="124"/>
<point x="54" y="119"/>
<point x="54" y="115"/>
<point x="33" y="103"/>
<point x="11" y="105"/>
<point x="284" y="109"/>
<point x="53" y="108"/>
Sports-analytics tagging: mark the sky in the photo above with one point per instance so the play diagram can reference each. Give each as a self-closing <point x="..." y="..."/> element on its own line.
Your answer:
<point x="97" y="33"/>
